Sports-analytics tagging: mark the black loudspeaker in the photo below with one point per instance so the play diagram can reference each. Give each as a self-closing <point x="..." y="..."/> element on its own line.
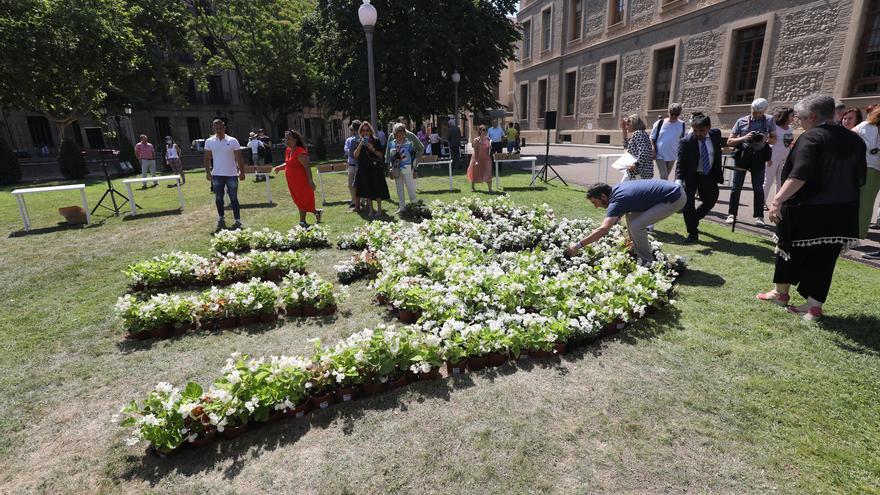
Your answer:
<point x="549" y="120"/>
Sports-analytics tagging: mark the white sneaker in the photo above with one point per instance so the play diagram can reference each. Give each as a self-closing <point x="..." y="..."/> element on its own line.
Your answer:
<point x="729" y="219"/>
<point x="759" y="222"/>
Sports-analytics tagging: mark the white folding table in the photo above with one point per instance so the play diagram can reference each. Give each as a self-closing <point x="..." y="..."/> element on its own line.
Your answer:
<point x="268" y="185"/>
<point x="329" y="168"/>
<point x="144" y="180"/>
<point x="603" y="162"/>
<point x="440" y="162"/>
<point x="22" y="206"/>
<point x="531" y="159"/>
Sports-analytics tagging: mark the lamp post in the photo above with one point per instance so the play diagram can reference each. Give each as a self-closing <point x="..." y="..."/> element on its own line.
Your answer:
<point x="456" y="78"/>
<point x="126" y="109"/>
<point x="368" y="16"/>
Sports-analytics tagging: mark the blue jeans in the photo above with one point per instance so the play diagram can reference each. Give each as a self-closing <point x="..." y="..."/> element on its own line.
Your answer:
<point x="230" y="184"/>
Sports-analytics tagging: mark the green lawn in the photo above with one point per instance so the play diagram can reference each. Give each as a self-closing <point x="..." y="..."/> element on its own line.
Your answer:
<point x="717" y="394"/>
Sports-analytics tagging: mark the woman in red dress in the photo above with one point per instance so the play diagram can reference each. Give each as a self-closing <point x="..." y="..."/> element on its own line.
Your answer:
<point x="298" y="172"/>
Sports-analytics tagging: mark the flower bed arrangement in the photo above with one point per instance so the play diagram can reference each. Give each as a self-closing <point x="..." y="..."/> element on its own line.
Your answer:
<point x="178" y="270"/>
<point x="417" y="210"/>
<point x="482" y="281"/>
<point x="243" y="303"/>
<point x="238" y="241"/>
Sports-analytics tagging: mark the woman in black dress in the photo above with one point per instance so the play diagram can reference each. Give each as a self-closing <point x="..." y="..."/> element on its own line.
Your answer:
<point x="370" y="179"/>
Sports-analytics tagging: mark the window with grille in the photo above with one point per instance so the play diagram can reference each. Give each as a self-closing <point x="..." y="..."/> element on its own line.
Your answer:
<point x="577" y="10"/>
<point x="617" y="8"/>
<point x="542" y="98"/>
<point x="527" y="40"/>
<point x="609" y="81"/>
<point x="748" y="44"/>
<point x="663" y="62"/>
<point x="546" y="24"/>
<point x="867" y="74"/>
<point x="524" y="102"/>
<point x="570" y="92"/>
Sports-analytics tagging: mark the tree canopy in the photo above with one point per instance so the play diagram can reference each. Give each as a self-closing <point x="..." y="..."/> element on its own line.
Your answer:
<point x="417" y="46"/>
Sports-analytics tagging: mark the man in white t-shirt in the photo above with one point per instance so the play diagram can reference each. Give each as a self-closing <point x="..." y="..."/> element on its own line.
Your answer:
<point x="665" y="136"/>
<point x="224" y="166"/>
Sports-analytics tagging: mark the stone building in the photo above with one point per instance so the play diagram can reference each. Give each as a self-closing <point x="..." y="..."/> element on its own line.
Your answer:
<point x="28" y="132"/>
<point x="594" y="61"/>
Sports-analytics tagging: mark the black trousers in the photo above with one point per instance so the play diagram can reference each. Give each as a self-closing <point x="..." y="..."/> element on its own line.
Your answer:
<point x="739" y="178"/>
<point x="810" y="268"/>
<point x="708" y="189"/>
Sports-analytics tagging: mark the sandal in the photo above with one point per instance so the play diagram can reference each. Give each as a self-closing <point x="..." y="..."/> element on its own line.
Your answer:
<point x="774" y="297"/>
<point x="318" y="215"/>
<point x="812" y="314"/>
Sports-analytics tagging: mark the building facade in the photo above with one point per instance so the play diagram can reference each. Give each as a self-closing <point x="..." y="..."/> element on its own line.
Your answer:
<point x="28" y="132"/>
<point x="596" y="61"/>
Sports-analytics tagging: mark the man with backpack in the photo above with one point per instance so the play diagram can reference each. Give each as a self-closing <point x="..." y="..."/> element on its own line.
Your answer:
<point x="665" y="137"/>
<point x="751" y="137"/>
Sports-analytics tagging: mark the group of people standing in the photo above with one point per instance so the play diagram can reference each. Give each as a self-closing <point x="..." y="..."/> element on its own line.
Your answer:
<point x="823" y="180"/>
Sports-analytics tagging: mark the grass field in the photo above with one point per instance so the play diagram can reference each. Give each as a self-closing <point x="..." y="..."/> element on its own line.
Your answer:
<point x="717" y="394"/>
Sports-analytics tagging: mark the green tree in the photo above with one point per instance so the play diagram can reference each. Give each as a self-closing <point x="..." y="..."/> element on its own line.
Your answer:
<point x="260" y="41"/>
<point x="61" y="56"/>
<point x="10" y="169"/>
<point x="416" y="46"/>
<point x="70" y="160"/>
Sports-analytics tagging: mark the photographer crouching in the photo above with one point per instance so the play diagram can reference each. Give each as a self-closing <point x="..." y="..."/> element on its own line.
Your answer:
<point x="751" y="136"/>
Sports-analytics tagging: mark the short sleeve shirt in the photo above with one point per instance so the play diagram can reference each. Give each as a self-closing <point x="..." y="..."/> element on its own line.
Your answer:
<point x="407" y="153"/>
<point x="223" y="154"/>
<point x="350" y="145"/>
<point x="511" y="134"/>
<point x="641" y="195"/>
<point x="668" y="137"/>
<point x="496" y="134"/>
<point x="745" y="125"/>
<point x="144" y="151"/>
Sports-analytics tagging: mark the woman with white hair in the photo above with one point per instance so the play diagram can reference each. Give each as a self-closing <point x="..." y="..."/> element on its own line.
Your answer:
<point x="401" y="154"/>
<point x="639" y="146"/>
<point x="817" y="208"/>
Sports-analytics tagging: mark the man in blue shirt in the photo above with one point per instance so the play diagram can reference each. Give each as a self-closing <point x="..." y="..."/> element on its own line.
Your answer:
<point x="644" y="202"/>
<point x="350" y="145"/>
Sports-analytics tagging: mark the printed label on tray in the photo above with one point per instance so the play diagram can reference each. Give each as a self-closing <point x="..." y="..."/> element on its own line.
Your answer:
<point x="456" y="371"/>
<point x="346" y="397"/>
<point x="324" y="405"/>
<point x="300" y="414"/>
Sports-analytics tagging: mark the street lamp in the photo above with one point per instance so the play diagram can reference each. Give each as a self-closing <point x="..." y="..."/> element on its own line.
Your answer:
<point x="367" y="15"/>
<point x="456" y="77"/>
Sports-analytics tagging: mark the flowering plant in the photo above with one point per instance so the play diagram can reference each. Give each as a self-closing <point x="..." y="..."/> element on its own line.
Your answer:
<point x="185" y="269"/>
<point x="236" y="241"/>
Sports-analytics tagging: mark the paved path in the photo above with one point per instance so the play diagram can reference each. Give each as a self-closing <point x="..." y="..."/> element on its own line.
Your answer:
<point x="577" y="164"/>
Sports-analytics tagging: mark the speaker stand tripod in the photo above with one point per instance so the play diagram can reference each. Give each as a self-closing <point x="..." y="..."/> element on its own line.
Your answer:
<point x="111" y="192"/>
<point x="543" y="174"/>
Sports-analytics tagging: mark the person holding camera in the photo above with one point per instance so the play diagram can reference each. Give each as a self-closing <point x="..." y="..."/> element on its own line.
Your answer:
<point x="751" y="136"/>
<point x="699" y="171"/>
<point x="869" y="131"/>
<point x="401" y="155"/>
<point x="370" y="182"/>
<point x="817" y="208"/>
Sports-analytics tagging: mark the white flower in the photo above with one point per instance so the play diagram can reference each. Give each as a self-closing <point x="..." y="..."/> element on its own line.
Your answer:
<point x="131" y="441"/>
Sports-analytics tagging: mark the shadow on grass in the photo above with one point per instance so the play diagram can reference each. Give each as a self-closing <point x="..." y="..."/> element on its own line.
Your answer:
<point x="435" y="192"/>
<point x="59" y="227"/>
<point x="699" y="278"/>
<point x="525" y="188"/>
<point x="152" y="214"/>
<point x="861" y="329"/>
<point x="761" y="252"/>
<point x="131" y="346"/>
<point x="253" y="206"/>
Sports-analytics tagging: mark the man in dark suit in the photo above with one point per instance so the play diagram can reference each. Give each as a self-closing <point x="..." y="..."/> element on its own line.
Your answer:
<point x="699" y="170"/>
